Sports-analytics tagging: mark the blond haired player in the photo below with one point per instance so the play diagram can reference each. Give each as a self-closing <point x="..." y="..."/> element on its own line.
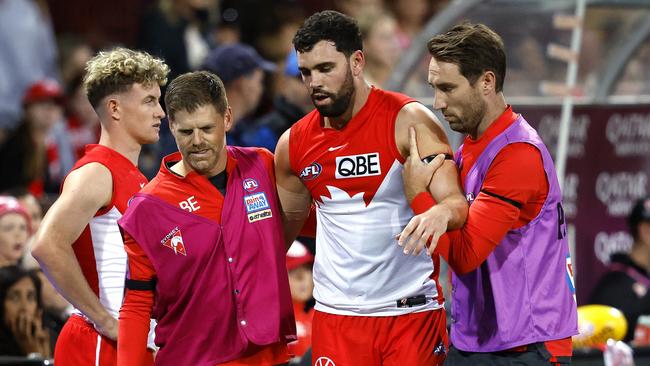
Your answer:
<point x="79" y="245"/>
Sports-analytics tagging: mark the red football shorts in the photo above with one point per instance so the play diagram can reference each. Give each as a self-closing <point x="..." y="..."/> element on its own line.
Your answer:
<point x="80" y="344"/>
<point x="411" y="339"/>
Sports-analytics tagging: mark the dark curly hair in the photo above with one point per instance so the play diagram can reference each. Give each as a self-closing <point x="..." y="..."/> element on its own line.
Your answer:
<point x="329" y="25"/>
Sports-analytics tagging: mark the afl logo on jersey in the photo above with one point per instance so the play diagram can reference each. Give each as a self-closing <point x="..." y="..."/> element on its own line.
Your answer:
<point x="354" y="166"/>
<point x="250" y="184"/>
<point x="311" y="172"/>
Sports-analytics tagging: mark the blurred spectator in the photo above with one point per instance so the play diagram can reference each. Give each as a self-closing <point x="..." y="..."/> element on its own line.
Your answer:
<point x="626" y="285"/>
<point x="30" y="203"/>
<point x="270" y="34"/>
<point x="103" y="24"/>
<point x="356" y="8"/>
<point x="242" y="70"/>
<point x="21" y="331"/>
<point x="27" y="54"/>
<point x="178" y="31"/>
<point x="275" y="43"/>
<point x="33" y="208"/>
<point x="74" y="52"/>
<point x="38" y="153"/>
<point x="411" y="16"/>
<point x="228" y="30"/>
<point x="527" y="66"/>
<point x="56" y="308"/>
<point x="301" y="282"/>
<point x="291" y="104"/>
<point x="380" y="45"/>
<point x="635" y="80"/>
<point x="591" y="59"/>
<point x="83" y="122"/>
<point x="603" y="28"/>
<point x="14" y="231"/>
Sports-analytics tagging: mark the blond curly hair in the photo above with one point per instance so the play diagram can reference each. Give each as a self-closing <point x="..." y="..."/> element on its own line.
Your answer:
<point x="115" y="71"/>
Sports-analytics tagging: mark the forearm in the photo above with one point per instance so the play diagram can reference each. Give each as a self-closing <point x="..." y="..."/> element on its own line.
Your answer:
<point x="134" y="328"/>
<point x="295" y="210"/>
<point x="456" y="210"/>
<point x="488" y="222"/>
<point x="309" y="227"/>
<point x="459" y="252"/>
<point x="446" y="190"/>
<point x="61" y="267"/>
<point x="292" y="228"/>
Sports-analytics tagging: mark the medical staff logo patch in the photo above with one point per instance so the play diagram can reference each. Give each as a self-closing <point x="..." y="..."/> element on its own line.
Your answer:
<point x="174" y="241"/>
<point x="257" y="207"/>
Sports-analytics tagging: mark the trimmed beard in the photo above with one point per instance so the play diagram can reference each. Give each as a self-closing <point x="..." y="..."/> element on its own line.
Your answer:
<point x="340" y="100"/>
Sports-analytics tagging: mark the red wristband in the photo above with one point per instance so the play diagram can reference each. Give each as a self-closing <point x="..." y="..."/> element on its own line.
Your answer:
<point x="422" y="202"/>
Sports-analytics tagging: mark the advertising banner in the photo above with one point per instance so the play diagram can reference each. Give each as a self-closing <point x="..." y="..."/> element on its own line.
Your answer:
<point x="608" y="169"/>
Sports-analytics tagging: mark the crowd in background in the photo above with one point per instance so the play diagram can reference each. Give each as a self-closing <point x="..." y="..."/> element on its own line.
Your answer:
<point x="46" y="120"/>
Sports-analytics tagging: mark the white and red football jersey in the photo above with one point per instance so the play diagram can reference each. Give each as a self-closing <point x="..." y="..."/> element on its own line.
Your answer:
<point x="355" y="177"/>
<point x="100" y="248"/>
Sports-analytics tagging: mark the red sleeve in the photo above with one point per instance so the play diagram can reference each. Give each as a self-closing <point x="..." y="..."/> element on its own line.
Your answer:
<point x="136" y="309"/>
<point x="488" y="222"/>
<point x="516" y="183"/>
<point x="517" y="173"/>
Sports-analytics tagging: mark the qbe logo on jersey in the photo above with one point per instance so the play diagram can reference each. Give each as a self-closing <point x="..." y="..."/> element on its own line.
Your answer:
<point x="257" y="207"/>
<point x="354" y="166"/>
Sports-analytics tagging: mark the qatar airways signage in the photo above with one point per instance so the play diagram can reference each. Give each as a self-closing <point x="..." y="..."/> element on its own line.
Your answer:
<point x="608" y="169"/>
<point x="629" y="133"/>
<point x="619" y="190"/>
<point x="548" y="129"/>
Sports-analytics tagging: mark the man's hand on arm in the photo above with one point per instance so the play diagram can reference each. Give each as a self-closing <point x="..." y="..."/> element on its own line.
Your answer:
<point x="86" y="190"/>
<point x="417" y="174"/>
<point x="294" y="196"/>
<point x="417" y="177"/>
<point x="439" y="178"/>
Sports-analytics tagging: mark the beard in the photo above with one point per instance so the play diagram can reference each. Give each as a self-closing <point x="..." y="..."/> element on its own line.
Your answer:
<point x="340" y="100"/>
<point x="471" y="115"/>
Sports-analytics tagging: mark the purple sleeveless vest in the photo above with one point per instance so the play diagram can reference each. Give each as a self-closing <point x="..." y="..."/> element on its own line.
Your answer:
<point x="230" y="285"/>
<point x="523" y="292"/>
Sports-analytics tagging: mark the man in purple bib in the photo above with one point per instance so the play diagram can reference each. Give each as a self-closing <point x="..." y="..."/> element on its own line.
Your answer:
<point x="512" y="286"/>
<point x="206" y="247"/>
